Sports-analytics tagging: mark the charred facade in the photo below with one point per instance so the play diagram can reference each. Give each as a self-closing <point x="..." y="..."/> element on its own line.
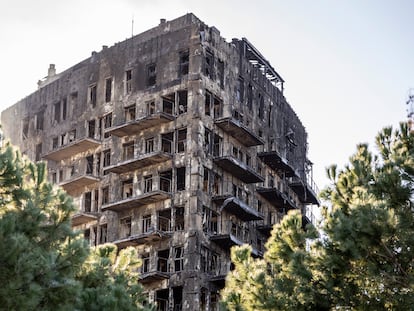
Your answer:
<point x="175" y="142"/>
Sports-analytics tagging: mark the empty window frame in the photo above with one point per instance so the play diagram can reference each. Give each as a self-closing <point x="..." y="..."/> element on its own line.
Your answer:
<point x="103" y="236"/>
<point x="146" y="223"/>
<point x="25" y="128"/>
<point x="167" y="140"/>
<point x="64" y="109"/>
<point x="220" y="73"/>
<point x="180" y="176"/>
<point x="145" y="258"/>
<point x="207" y="103"/>
<point x="168" y="103"/>
<point x="87" y="204"/>
<point x="107" y="122"/>
<point x="128" y="150"/>
<point x="181" y="140"/>
<point x="127" y="189"/>
<point x="164" y="220"/>
<point x="209" y="220"/>
<point x="38" y="156"/>
<point x="130" y="113"/>
<point x="151" y="74"/>
<point x="106" y="157"/>
<point x="209" y="65"/>
<point x="150" y="107"/>
<point x="71" y="136"/>
<point x="89" y="164"/>
<point x="162" y="264"/>
<point x="149" y="145"/>
<point x="179" y="218"/>
<point x="178" y="298"/>
<point x="184" y="62"/>
<point x="240" y="90"/>
<point x="206" y="175"/>
<point x="105" y="195"/>
<point x="108" y="90"/>
<point x="261" y="106"/>
<point x="207" y="140"/>
<point x="92" y="95"/>
<point x="91" y="128"/>
<point x="128" y="81"/>
<point x="55" y="142"/>
<point x="161" y="299"/>
<point x="250" y="97"/>
<point x="125" y="227"/>
<point x="182" y="101"/>
<point x="40" y="120"/>
<point x="56" y="107"/>
<point x="178" y="258"/>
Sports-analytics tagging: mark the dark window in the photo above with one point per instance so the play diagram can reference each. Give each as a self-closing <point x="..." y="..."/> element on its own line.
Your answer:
<point x="207" y="103"/>
<point x="54" y="177"/>
<point x="145" y="268"/>
<point x="38" y="152"/>
<point x="130" y="113"/>
<point x="103" y="234"/>
<point x="127" y="188"/>
<point x="180" y="178"/>
<point x="178" y="259"/>
<point x="207" y="140"/>
<point x="57" y="112"/>
<point x="129" y="150"/>
<point x="128" y="81"/>
<point x="261" y="106"/>
<point x="125" y="226"/>
<point x="150" y="107"/>
<point x="240" y="90"/>
<point x="179" y="218"/>
<point x="151" y="75"/>
<point x="182" y="101"/>
<point x="25" y="131"/>
<point x="162" y="264"/>
<point x="39" y="120"/>
<point x="108" y="90"/>
<point x="250" y="97"/>
<point x="72" y="136"/>
<point x="88" y="202"/>
<point x="107" y="123"/>
<point x="218" y="107"/>
<point x="92" y="95"/>
<point x="105" y="195"/>
<point x="91" y="129"/>
<point x="184" y="63"/>
<point x="161" y="299"/>
<point x="209" y="65"/>
<point x="89" y="164"/>
<point x="55" y="142"/>
<point x="181" y="140"/>
<point x="64" y="109"/>
<point x="149" y="145"/>
<point x="107" y="157"/>
<point x="206" y="179"/>
<point x="168" y="103"/>
<point x="220" y="73"/>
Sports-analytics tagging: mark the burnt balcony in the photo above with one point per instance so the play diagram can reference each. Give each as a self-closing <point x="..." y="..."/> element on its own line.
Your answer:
<point x="306" y="191"/>
<point x="217" y="271"/>
<point x="153" y="152"/>
<point x="231" y="234"/>
<point x="155" y="268"/>
<point x="236" y="206"/>
<point x="275" y="197"/>
<point x="135" y="126"/>
<point x="150" y="190"/>
<point x="271" y="218"/>
<point x="233" y="163"/>
<point x="72" y="148"/>
<point x="82" y="217"/>
<point x="277" y="163"/>
<point x="239" y="131"/>
<point x="149" y="233"/>
<point x="78" y="176"/>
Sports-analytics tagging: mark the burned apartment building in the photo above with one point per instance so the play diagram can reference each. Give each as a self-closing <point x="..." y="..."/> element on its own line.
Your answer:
<point x="175" y="142"/>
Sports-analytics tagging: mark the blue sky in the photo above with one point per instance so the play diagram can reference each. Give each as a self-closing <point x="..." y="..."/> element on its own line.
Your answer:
<point x="348" y="65"/>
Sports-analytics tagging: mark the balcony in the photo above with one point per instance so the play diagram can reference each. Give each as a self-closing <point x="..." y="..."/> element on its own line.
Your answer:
<point x="135" y="126"/>
<point x="239" y="131"/>
<point x="237" y="207"/>
<point x="231" y="234"/>
<point x="231" y="160"/>
<point x="277" y="163"/>
<point x="306" y="191"/>
<point x="151" y="190"/>
<point x="275" y="197"/>
<point x="159" y="231"/>
<point x="78" y="181"/>
<point x="218" y="271"/>
<point x="265" y="226"/>
<point x="81" y="218"/>
<point x="154" y="270"/>
<point x="72" y="148"/>
<point x="154" y="152"/>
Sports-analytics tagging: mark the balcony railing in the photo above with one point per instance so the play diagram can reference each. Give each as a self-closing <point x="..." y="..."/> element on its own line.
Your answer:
<point x="72" y="148"/>
<point x="265" y="226"/>
<point x="150" y="190"/>
<point x="155" y="268"/>
<point x="78" y="177"/>
<point x="230" y="234"/>
<point x="158" y="231"/>
<point x="277" y="162"/>
<point x="82" y="217"/>
<point x="275" y="197"/>
<point x="231" y="163"/>
<point x="307" y="191"/>
<point x="239" y="131"/>
<point x="160" y="152"/>
<point x="131" y="127"/>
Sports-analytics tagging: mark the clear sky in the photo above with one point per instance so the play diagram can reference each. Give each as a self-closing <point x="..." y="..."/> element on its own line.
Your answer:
<point x="348" y="65"/>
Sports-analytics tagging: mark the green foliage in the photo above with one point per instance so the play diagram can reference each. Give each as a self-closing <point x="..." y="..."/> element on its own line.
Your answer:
<point x="364" y="257"/>
<point x="44" y="264"/>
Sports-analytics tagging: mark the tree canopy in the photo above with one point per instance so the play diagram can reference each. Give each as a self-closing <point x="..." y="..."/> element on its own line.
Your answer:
<point x="362" y="256"/>
<point x="44" y="263"/>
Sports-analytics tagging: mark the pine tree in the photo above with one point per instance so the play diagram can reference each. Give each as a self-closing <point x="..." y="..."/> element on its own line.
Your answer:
<point x="44" y="263"/>
<point x="363" y="257"/>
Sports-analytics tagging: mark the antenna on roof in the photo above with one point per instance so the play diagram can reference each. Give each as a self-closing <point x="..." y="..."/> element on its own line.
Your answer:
<point x="132" y="27"/>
